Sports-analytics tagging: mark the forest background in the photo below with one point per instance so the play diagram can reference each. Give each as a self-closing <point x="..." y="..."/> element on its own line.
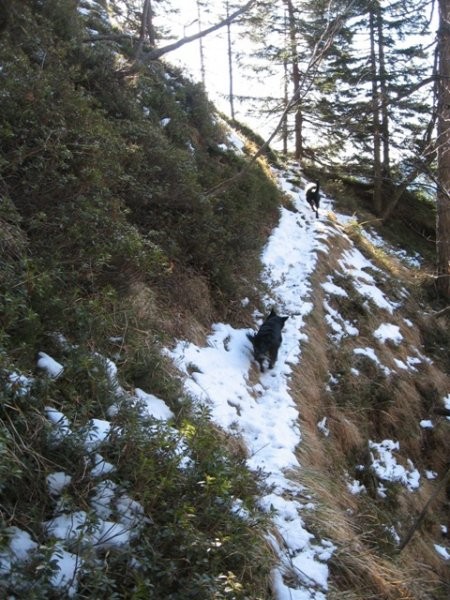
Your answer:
<point x="359" y="86"/>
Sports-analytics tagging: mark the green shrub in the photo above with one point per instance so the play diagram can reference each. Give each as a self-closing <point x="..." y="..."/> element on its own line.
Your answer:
<point x="98" y="199"/>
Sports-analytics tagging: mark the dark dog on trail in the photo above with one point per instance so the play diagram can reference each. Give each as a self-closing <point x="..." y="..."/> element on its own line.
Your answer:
<point x="313" y="196"/>
<point x="268" y="339"/>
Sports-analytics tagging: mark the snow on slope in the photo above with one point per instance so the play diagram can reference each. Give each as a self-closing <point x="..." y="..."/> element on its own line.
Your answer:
<point x="264" y="414"/>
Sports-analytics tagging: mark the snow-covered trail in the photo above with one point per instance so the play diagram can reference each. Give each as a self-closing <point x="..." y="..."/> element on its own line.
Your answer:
<point x="260" y="408"/>
<point x="264" y="414"/>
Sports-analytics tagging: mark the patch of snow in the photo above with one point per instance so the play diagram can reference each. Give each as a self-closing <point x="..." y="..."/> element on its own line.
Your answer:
<point x="101" y="467"/>
<point x="333" y="289"/>
<point x="388" y="331"/>
<point x="66" y="567"/>
<point x="53" y="368"/>
<point x="151" y="406"/>
<point x="61" y="425"/>
<point x="385" y="466"/>
<point x="18" y="549"/>
<point x="355" y="487"/>
<point x="322" y="426"/>
<point x="57" y="481"/>
<point x="442" y="551"/>
<point x="370" y="353"/>
<point x="97" y="432"/>
<point x="20" y="384"/>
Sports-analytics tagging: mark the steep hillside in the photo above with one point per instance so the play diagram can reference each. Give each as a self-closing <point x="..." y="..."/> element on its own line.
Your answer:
<point x="143" y="454"/>
<point x="110" y="246"/>
<point x="370" y="389"/>
<point x="347" y="430"/>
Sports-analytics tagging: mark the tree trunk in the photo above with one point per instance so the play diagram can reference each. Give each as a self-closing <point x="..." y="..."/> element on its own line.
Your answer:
<point x="376" y="128"/>
<point x="200" y="42"/>
<point x="230" y="64"/>
<point x="443" y="152"/>
<point x="298" y="124"/>
<point x="146" y="27"/>
<point x="385" y="137"/>
<point x="284" y="127"/>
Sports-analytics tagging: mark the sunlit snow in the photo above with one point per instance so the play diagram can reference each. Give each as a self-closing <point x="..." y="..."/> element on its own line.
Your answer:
<point x="258" y="407"/>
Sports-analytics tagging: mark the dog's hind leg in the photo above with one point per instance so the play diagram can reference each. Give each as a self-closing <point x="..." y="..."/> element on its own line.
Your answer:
<point x="273" y="354"/>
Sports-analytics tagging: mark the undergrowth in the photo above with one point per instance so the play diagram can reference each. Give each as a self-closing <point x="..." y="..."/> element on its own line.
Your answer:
<point x="360" y="400"/>
<point x="110" y="246"/>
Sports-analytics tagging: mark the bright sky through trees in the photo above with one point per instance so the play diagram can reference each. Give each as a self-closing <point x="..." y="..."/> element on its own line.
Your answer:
<point x="215" y="57"/>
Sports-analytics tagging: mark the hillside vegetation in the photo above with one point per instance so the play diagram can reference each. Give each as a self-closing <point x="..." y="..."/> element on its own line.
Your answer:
<point x="111" y="248"/>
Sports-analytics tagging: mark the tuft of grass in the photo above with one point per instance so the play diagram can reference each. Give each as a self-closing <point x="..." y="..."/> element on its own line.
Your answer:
<point x="361" y="403"/>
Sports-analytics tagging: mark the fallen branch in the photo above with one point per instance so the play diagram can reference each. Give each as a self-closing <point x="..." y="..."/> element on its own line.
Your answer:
<point x="155" y="53"/>
<point x="442" y="312"/>
<point x="421" y="517"/>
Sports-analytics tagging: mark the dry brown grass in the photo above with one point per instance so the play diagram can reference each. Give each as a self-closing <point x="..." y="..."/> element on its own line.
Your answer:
<point x="12" y="240"/>
<point x="366" y="564"/>
<point x="182" y="308"/>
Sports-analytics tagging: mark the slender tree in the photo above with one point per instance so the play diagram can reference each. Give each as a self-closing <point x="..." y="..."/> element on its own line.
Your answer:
<point x="284" y="127"/>
<point x="376" y="108"/>
<point x="200" y="6"/>
<point x="230" y="63"/>
<point x="443" y="152"/>
<point x="383" y="94"/>
<point x="292" y="23"/>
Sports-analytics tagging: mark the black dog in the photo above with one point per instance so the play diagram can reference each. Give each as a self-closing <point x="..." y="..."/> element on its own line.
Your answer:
<point x="313" y="196"/>
<point x="268" y="339"/>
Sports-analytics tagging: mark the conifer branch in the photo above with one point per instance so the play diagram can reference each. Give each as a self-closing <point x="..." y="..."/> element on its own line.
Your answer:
<point x="319" y="52"/>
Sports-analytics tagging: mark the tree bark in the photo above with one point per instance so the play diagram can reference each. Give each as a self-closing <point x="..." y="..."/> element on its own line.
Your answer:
<point x="202" y="57"/>
<point x="230" y="64"/>
<point x="384" y="130"/>
<point x="443" y="153"/>
<point x="156" y="53"/>
<point x="146" y="30"/>
<point x="298" y="118"/>
<point x="284" y="126"/>
<point x="376" y="128"/>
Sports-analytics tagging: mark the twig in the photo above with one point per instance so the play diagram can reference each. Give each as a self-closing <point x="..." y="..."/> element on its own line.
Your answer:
<point x="444" y="311"/>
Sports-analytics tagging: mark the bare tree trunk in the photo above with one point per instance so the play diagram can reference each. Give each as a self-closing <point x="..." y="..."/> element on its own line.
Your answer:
<point x="385" y="136"/>
<point x="230" y="64"/>
<point x="377" y="177"/>
<point x="146" y="27"/>
<point x="200" y="41"/>
<point x="443" y="152"/>
<point x="284" y="126"/>
<point x="298" y="126"/>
